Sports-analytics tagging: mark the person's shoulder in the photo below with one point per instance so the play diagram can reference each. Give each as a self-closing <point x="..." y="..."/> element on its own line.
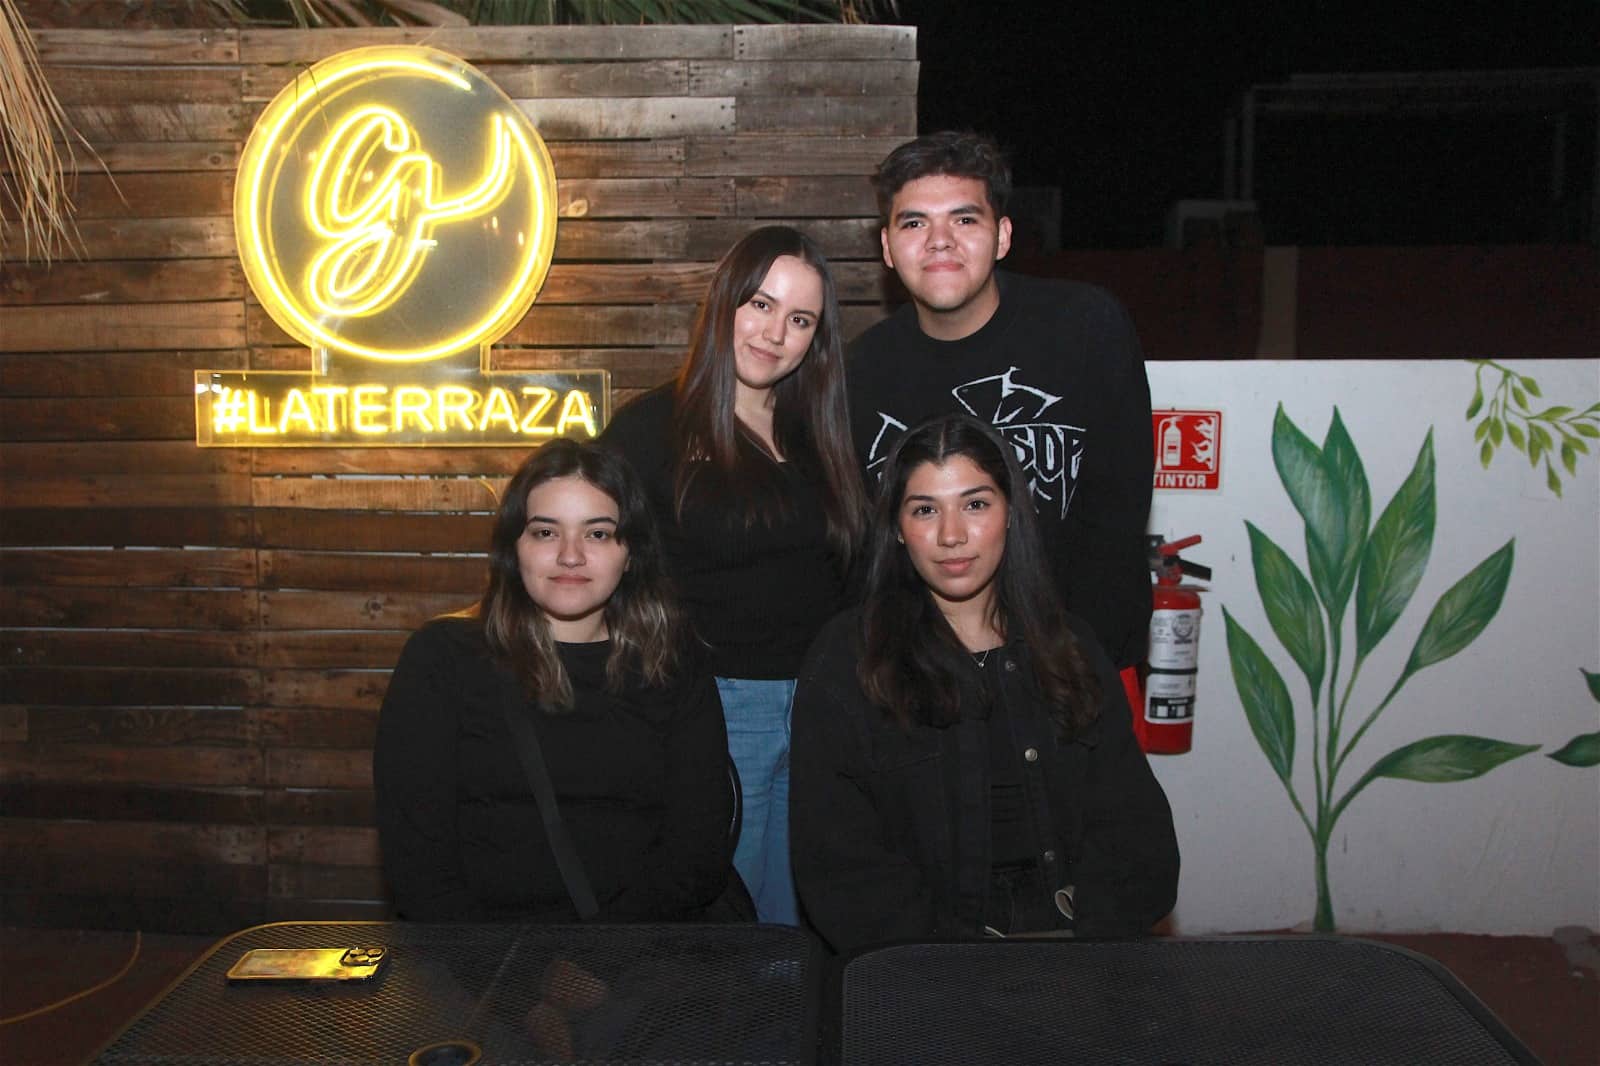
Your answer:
<point x="838" y="641"/>
<point x="650" y="411"/>
<point x="458" y="630"/>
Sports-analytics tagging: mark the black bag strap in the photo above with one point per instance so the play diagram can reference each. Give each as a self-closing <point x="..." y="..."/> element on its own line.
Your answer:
<point x="544" y="794"/>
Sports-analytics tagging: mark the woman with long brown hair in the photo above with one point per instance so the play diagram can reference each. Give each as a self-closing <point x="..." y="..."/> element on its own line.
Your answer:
<point x="747" y="459"/>
<point x="964" y="760"/>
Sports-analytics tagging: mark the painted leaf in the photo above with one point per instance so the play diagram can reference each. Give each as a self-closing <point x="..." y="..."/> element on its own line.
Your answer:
<point x="1267" y="706"/>
<point x="1451" y="757"/>
<point x="1551" y="480"/>
<point x="1558" y="411"/>
<point x="1520" y="396"/>
<point x="1343" y="464"/>
<point x="1396" y="553"/>
<point x="1291" y="606"/>
<point x="1497" y="431"/>
<point x="1463" y="611"/>
<point x="1586" y="429"/>
<point x="1528" y="383"/>
<point x="1581" y="750"/>
<point x="1592" y="678"/>
<point x="1477" y="402"/>
<point x="1569" y="457"/>
<point x="1485" y="454"/>
<point x="1313" y="494"/>
<point x="1515" y="433"/>
<point x="1481" y="431"/>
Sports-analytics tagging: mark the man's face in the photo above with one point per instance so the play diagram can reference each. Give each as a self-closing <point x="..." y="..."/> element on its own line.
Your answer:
<point x="943" y="240"/>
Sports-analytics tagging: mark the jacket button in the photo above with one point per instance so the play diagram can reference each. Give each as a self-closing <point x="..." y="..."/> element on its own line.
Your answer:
<point x="1011" y="666"/>
<point x="1049" y="856"/>
<point x="1031" y="754"/>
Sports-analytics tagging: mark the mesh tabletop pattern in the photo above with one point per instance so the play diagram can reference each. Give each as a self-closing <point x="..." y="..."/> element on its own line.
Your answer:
<point x="522" y="994"/>
<point x="1280" y="1001"/>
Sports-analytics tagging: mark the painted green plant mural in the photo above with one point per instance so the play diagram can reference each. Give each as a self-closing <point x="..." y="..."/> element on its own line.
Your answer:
<point x="1583" y="749"/>
<point x="1544" y="434"/>
<point x="1376" y="568"/>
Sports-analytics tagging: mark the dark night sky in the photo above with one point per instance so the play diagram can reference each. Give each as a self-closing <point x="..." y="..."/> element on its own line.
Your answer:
<point x="1121" y="104"/>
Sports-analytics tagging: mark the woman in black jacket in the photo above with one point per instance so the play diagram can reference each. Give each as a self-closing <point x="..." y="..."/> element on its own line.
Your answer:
<point x="577" y="637"/>
<point x="963" y="757"/>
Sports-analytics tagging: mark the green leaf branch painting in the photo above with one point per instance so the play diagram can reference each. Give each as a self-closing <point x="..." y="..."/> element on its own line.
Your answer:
<point x="1555" y="431"/>
<point x="1379" y="568"/>
<point x="1583" y="749"/>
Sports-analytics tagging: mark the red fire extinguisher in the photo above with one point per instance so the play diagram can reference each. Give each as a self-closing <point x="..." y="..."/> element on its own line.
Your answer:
<point x="1162" y="694"/>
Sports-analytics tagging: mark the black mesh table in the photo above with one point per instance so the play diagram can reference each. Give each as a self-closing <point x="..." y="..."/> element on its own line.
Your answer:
<point x="719" y="994"/>
<point x="1279" y="1000"/>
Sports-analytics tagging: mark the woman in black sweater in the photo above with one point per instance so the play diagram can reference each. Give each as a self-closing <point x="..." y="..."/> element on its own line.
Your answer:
<point x="964" y="760"/>
<point x="747" y="459"/>
<point x="576" y="636"/>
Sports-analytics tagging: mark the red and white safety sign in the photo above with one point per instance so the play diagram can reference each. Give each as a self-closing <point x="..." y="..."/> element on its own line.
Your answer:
<point x="1188" y="449"/>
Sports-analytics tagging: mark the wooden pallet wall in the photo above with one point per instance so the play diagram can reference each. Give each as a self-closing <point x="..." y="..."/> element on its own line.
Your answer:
<point x="195" y="641"/>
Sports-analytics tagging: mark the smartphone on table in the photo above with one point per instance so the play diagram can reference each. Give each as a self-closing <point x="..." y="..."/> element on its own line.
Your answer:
<point x="309" y="964"/>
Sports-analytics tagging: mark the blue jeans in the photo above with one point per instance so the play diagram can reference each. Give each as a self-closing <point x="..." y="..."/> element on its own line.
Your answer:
<point x="757" y="713"/>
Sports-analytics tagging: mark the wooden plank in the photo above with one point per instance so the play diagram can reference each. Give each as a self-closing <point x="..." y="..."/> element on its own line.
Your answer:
<point x="319" y="768"/>
<point x="788" y="77"/>
<point x="455" y="575"/>
<point x="123" y="527"/>
<point x="130" y="647"/>
<point x="644" y="197"/>
<point x="318" y="727"/>
<point x="129" y="490"/>
<point x="702" y="238"/>
<point x="332" y="649"/>
<point x="121" y="282"/>
<point x="144" y="727"/>
<point x="156" y="608"/>
<point x="121" y="764"/>
<point x="319" y="806"/>
<point x="380" y="494"/>
<point x="120" y="374"/>
<point x="316" y="610"/>
<point x="338" y="689"/>
<point x="32" y="873"/>
<point x="305" y="882"/>
<point x="623" y="283"/>
<point x="661" y="157"/>
<point x="155" y="238"/>
<point x="75" y="418"/>
<point x="144" y="196"/>
<point x="210" y="915"/>
<point x="839" y="238"/>
<point x="324" y="846"/>
<point x="159" y="841"/>
<point x="829" y="115"/>
<point x="119" y="157"/>
<point x="154" y="457"/>
<point x="454" y="461"/>
<point x="506" y="44"/>
<point x="60" y="48"/>
<point x="825" y="42"/>
<point x="353" y="531"/>
<point x="160" y="122"/>
<point x="588" y="326"/>
<point x="806" y="196"/>
<point x="782" y="155"/>
<point x="631" y="368"/>
<point x="152" y="84"/>
<point x="122" y="686"/>
<point x="124" y="327"/>
<point x="95" y="801"/>
<point x="653" y="77"/>
<point x="629" y="117"/>
<point x="156" y="567"/>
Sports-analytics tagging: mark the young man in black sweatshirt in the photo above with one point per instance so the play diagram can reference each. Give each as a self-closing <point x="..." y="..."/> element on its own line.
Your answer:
<point x="1054" y="366"/>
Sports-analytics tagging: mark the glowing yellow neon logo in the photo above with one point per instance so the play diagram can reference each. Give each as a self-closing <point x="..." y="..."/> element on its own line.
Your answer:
<point x="392" y="203"/>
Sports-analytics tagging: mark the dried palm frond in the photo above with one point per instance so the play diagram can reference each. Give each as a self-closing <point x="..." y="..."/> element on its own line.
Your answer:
<point x="34" y="182"/>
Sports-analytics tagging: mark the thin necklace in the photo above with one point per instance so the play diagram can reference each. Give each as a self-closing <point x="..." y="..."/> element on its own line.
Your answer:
<point x="982" y="657"/>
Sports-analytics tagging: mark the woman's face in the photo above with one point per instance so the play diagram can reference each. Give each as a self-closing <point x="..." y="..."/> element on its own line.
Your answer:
<point x="570" y="557"/>
<point x="953" y="524"/>
<point x="772" y="330"/>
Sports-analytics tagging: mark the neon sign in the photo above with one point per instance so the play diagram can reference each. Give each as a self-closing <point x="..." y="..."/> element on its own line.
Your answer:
<point x="396" y="213"/>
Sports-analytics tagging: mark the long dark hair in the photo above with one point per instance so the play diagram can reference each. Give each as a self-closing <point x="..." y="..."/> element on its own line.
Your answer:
<point x="912" y="662"/>
<point x="642" y="618"/>
<point x="810" y="421"/>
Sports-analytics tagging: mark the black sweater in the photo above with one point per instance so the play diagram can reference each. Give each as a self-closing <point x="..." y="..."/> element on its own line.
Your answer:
<point x="1058" y="371"/>
<point x="756" y="594"/>
<point x="890" y="827"/>
<point x="640" y="777"/>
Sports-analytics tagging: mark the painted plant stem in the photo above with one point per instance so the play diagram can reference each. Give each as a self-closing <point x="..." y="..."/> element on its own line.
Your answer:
<point x="1378" y="568"/>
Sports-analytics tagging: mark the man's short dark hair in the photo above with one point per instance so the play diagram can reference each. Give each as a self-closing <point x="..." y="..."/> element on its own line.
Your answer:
<point x="956" y="153"/>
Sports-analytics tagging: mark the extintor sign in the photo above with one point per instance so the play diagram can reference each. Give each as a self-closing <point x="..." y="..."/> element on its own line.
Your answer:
<point x="395" y="212"/>
<point x="1188" y="449"/>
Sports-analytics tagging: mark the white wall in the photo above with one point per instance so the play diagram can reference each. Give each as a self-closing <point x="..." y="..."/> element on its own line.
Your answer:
<point x="1515" y="851"/>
